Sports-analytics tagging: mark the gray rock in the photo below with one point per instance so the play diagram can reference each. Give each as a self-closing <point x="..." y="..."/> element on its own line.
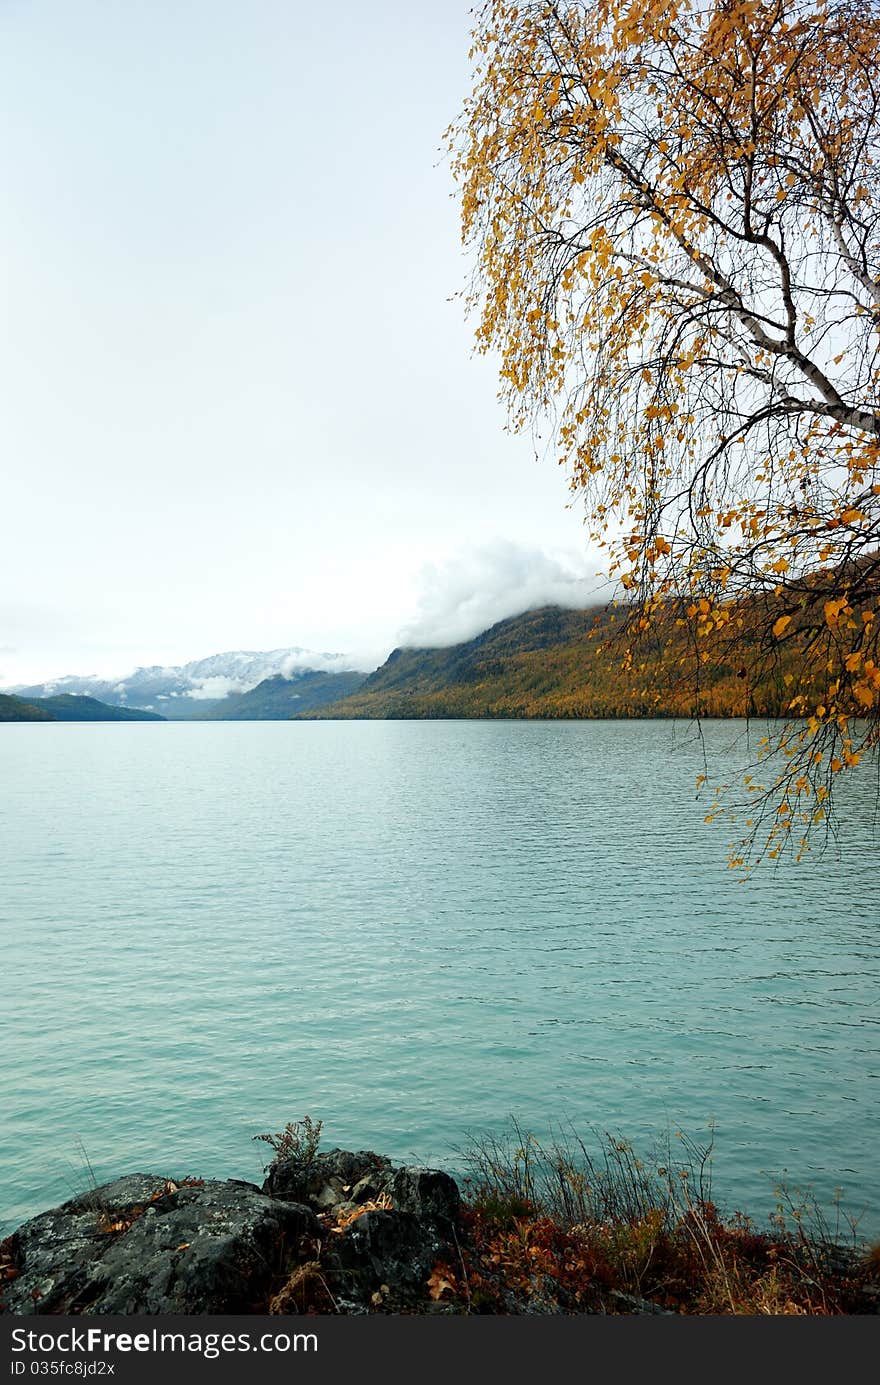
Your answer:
<point x="424" y="1192"/>
<point x="329" y="1196"/>
<point x="390" y="1250"/>
<point x="145" y="1244"/>
<point x="633" y="1303"/>
<point x="366" y="1190"/>
<point x="341" y="1176"/>
<point x="317" y="1182"/>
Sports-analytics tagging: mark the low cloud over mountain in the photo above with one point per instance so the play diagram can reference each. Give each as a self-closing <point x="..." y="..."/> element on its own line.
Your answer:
<point x="475" y="589"/>
<point x="184" y="689"/>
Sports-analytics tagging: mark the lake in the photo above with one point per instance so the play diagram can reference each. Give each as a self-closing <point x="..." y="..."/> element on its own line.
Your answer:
<point x="414" y="930"/>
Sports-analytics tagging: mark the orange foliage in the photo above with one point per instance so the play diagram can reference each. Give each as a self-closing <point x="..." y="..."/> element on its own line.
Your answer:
<point x="674" y="210"/>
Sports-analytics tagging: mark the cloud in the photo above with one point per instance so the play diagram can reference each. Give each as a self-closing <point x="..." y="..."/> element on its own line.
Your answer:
<point x="472" y="590"/>
<point x="298" y="660"/>
<point x="206" y="689"/>
<point x="288" y="663"/>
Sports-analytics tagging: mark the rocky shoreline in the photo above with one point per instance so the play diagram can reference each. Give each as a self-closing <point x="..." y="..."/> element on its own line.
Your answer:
<point x="347" y="1232"/>
<point x="341" y="1233"/>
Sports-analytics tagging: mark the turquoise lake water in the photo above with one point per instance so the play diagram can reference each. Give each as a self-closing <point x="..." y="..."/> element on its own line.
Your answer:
<point x="413" y="930"/>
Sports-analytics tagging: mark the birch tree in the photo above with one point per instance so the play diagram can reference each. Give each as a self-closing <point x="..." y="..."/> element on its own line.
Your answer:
<point x="673" y="213"/>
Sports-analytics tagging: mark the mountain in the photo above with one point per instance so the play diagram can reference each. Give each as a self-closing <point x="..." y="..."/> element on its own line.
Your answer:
<point x="14" y="709"/>
<point x="513" y="669"/>
<point x="278" y="698"/>
<point x="546" y="663"/>
<point x="70" y="707"/>
<point x="193" y="689"/>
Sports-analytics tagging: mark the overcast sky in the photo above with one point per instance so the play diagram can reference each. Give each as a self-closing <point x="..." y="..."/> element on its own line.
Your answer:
<point x="238" y="409"/>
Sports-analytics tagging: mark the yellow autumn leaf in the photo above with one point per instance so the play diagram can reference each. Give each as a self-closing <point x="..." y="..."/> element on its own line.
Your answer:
<point x="833" y="610"/>
<point x="646" y="106"/>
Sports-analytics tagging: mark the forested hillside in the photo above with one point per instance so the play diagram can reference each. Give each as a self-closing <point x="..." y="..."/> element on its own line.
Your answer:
<point x="554" y="663"/>
<point x="279" y="698"/>
<point x="69" y="707"/>
<point x="16" y="709"/>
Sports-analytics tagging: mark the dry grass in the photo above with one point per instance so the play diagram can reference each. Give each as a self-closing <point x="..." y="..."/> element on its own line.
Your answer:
<point x="562" y="1226"/>
<point x="304" y="1291"/>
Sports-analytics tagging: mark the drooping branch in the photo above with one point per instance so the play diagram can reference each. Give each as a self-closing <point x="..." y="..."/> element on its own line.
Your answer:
<point x="676" y="214"/>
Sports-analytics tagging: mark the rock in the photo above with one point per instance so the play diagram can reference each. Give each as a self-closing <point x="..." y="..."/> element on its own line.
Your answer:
<point x="633" y="1303"/>
<point x="324" y="1180"/>
<point x="383" y="1256"/>
<point x="340" y="1178"/>
<point x="144" y="1244"/>
<point x="424" y="1192"/>
<point x="343" y="1228"/>
<point x="329" y="1196"/>
<point x="386" y="1253"/>
<point x="366" y="1190"/>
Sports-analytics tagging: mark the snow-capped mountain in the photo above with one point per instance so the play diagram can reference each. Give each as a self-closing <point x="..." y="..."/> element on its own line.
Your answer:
<point x="186" y="689"/>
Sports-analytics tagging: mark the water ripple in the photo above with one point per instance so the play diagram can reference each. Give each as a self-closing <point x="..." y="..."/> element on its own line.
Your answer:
<point x="413" y="930"/>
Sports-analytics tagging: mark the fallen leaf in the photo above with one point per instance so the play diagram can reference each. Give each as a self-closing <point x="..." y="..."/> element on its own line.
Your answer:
<point x="438" y="1285"/>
